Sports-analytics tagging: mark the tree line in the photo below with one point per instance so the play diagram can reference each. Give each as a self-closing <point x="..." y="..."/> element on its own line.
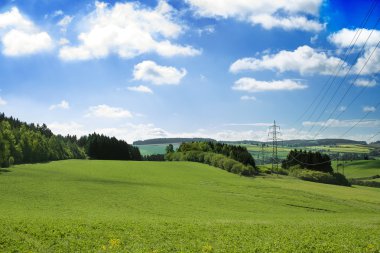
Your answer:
<point x="308" y="160"/>
<point x="235" y="159"/>
<point x="237" y="153"/>
<point x="103" y="147"/>
<point x="312" y="166"/>
<point x="29" y="143"/>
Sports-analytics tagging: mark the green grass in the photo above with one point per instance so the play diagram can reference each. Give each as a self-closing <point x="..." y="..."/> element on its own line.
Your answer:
<point x="360" y="168"/>
<point x="116" y="206"/>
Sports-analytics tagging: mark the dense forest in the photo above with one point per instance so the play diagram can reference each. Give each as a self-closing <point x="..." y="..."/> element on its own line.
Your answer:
<point x="308" y="160"/>
<point x="29" y="143"/>
<point x="108" y="148"/>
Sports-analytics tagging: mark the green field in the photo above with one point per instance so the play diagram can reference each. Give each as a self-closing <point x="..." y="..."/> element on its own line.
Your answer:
<point x="360" y="168"/>
<point x="117" y="206"/>
<point x="283" y="151"/>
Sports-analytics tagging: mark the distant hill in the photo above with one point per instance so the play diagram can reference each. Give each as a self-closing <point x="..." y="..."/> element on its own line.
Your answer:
<point x="292" y="143"/>
<point x="170" y="141"/>
<point x="321" y="142"/>
<point x="302" y="143"/>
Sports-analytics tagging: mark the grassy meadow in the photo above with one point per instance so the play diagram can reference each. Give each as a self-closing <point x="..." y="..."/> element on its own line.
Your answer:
<point x="359" y="168"/>
<point x="124" y="206"/>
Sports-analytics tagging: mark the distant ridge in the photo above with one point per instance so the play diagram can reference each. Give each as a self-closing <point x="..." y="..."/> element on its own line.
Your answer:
<point x="302" y="143"/>
<point x="170" y="141"/>
<point x="293" y="143"/>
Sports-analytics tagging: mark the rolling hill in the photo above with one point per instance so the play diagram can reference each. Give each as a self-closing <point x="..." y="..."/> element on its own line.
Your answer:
<point x="125" y="206"/>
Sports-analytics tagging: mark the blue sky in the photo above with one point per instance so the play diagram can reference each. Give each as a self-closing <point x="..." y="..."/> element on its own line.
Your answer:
<point x="192" y="68"/>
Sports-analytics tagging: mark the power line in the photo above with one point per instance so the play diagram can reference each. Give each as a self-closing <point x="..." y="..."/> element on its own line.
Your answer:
<point x="357" y="123"/>
<point x="323" y="128"/>
<point x="338" y="69"/>
<point x="346" y="75"/>
<point x="376" y="134"/>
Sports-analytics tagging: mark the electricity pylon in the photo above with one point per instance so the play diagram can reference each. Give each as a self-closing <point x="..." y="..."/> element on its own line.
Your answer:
<point x="274" y="131"/>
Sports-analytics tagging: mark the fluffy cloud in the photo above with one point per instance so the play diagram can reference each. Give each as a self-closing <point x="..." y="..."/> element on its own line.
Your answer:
<point x="152" y="72"/>
<point x="369" y="109"/>
<point x="105" y="111"/>
<point x="343" y="123"/>
<point x="20" y="36"/>
<point x="252" y="85"/>
<point x="140" y="88"/>
<point x="304" y="60"/>
<point x="369" y="62"/>
<point x="128" y="30"/>
<point x="343" y="37"/>
<point x="287" y="23"/>
<point x="365" y="83"/>
<point x="134" y="132"/>
<point x="63" y="105"/>
<point x="2" y="102"/>
<point x="287" y="15"/>
<point x="64" y="129"/>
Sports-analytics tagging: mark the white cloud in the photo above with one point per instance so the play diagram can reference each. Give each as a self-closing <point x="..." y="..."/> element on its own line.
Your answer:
<point x="63" y="41"/>
<point x="157" y="74"/>
<point x="252" y="85"/>
<point x="369" y="62"/>
<point x="18" y="43"/>
<point x="140" y="88"/>
<point x="57" y="13"/>
<point x="365" y="83"/>
<point x="304" y="60"/>
<point x="268" y="22"/>
<point x="344" y="37"/>
<point x="63" y="105"/>
<point x="252" y="98"/>
<point x="250" y="124"/>
<point x="2" y="102"/>
<point x="367" y="37"/>
<point x="343" y="123"/>
<point x="20" y="36"/>
<point x="134" y="132"/>
<point x="13" y="18"/>
<point x="269" y="14"/>
<point x="128" y="30"/>
<point x="206" y="30"/>
<point x="64" y="22"/>
<point x="369" y="109"/>
<point x="105" y="111"/>
<point x="72" y="128"/>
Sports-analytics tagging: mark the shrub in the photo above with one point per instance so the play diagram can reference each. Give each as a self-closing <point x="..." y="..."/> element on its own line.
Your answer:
<point x="320" y="177"/>
<point x="237" y="168"/>
<point x="365" y="183"/>
<point x="248" y="171"/>
<point x="228" y="164"/>
<point x="11" y="161"/>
